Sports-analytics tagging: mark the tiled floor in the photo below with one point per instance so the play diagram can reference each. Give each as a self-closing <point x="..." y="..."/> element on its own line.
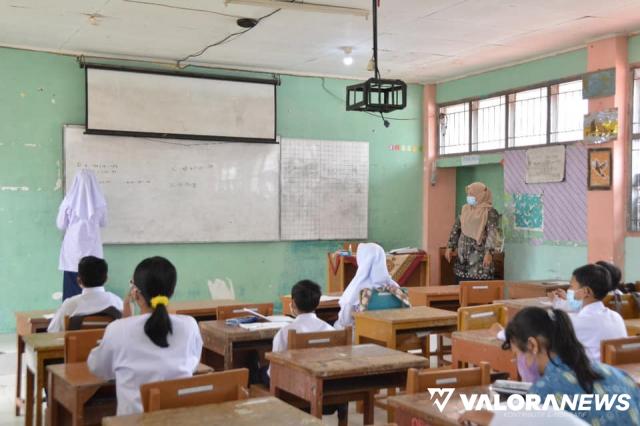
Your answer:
<point x="8" y="382"/>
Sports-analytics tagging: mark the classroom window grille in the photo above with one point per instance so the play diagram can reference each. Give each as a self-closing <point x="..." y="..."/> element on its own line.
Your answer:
<point x="567" y="110"/>
<point x="635" y="154"/>
<point x="553" y="113"/>
<point x="454" y="129"/>
<point x="488" y="124"/>
<point x="528" y="118"/>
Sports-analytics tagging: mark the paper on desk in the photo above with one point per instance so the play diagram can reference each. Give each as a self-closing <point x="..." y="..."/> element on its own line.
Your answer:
<point x="263" y="325"/>
<point x="270" y="318"/>
<point x="405" y="250"/>
<point x="325" y="298"/>
<point x="48" y="316"/>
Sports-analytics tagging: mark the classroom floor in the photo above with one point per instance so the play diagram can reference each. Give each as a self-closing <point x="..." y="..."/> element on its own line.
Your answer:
<point x="8" y="385"/>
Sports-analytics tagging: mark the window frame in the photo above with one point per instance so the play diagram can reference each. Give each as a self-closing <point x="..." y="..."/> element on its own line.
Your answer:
<point x="507" y="93"/>
<point x="630" y="231"/>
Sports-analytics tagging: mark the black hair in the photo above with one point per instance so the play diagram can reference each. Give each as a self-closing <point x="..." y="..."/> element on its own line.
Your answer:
<point x="554" y="329"/>
<point x="614" y="273"/>
<point x="306" y="294"/>
<point x="156" y="276"/>
<point x="92" y="271"/>
<point x="596" y="277"/>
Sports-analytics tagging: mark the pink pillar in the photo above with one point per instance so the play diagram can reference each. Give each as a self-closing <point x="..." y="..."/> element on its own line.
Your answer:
<point x="439" y="190"/>
<point x="606" y="218"/>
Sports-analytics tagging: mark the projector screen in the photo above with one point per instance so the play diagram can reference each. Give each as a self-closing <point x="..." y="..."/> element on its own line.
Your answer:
<point x="143" y="103"/>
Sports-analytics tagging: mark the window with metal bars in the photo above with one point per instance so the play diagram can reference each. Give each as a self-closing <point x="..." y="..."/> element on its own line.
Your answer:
<point x="548" y="114"/>
<point x="634" y="224"/>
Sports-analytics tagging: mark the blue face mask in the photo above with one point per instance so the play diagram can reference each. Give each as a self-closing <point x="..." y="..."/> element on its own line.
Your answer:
<point x="471" y="200"/>
<point x="573" y="303"/>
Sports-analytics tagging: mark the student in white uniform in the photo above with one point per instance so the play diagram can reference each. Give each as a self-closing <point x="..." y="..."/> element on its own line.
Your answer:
<point x="92" y="276"/>
<point x="592" y="320"/>
<point x="372" y="273"/>
<point x="81" y="215"/>
<point x="150" y="347"/>
<point x="305" y="297"/>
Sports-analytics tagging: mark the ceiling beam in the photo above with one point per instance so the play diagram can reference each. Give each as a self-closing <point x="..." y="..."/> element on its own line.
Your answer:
<point x="303" y="7"/>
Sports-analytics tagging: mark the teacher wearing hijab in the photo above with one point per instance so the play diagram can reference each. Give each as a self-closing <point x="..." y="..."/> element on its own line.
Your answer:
<point x="81" y="215"/>
<point x="475" y="236"/>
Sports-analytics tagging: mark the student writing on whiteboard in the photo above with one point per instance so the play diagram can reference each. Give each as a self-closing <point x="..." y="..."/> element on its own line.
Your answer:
<point x="475" y="236"/>
<point x="81" y="215"/>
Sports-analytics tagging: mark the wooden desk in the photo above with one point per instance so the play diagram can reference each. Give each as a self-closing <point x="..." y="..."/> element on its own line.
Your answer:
<point x="515" y="305"/>
<point x="226" y="341"/>
<point x="411" y="270"/>
<point x="632" y="370"/>
<point x="391" y="327"/>
<point x="529" y="289"/>
<point x="27" y="323"/>
<point x="201" y="310"/>
<point x="71" y="386"/>
<point x="336" y="374"/>
<point x="633" y="326"/>
<point x="436" y="296"/>
<point x="418" y="409"/>
<point x="40" y="348"/>
<point x="327" y="310"/>
<point x="268" y="411"/>
<point x="474" y="346"/>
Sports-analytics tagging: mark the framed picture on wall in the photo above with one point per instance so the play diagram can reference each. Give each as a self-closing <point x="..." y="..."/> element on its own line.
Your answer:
<point x="600" y="169"/>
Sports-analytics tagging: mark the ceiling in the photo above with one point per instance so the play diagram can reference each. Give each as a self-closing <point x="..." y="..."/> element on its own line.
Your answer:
<point x="419" y="40"/>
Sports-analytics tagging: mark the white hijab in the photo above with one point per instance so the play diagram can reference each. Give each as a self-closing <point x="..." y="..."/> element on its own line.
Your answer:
<point x="85" y="200"/>
<point x="372" y="273"/>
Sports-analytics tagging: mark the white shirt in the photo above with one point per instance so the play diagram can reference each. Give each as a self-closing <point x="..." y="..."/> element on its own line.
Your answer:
<point x="594" y="323"/>
<point x="127" y="355"/>
<point x="304" y="323"/>
<point x="81" y="238"/>
<point x="91" y="301"/>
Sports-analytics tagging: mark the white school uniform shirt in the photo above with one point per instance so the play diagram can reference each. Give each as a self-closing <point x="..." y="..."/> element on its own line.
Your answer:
<point x="127" y="355"/>
<point x="91" y="301"/>
<point x="595" y="323"/>
<point x="81" y="215"/>
<point x="304" y="323"/>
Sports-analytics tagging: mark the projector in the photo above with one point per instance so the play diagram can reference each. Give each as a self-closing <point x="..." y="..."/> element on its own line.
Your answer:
<point x="377" y="95"/>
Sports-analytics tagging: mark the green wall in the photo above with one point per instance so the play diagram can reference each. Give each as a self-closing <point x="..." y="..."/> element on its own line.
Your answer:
<point x="529" y="73"/>
<point x="40" y="92"/>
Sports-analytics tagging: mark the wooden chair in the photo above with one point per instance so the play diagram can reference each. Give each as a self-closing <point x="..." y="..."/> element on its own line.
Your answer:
<point x="92" y="321"/>
<point x="321" y="339"/>
<point x="352" y="246"/>
<point x="480" y="292"/>
<point x="79" y="343"/>
<point x="230" y="385"/>
<point x="481" y="317"/>
<point x="620" y="351"/>
<point x="420" y="380"/>
<point x="626" y="305"/>
<point x="234" y="311"/>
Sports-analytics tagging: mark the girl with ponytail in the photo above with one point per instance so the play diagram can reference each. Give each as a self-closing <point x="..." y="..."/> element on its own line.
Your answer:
<point x="550" y="356"/>
<point x="150" y="347"/>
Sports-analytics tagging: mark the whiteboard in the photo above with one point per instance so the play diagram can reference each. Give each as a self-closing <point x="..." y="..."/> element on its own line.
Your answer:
<point x="159" y="104"/>
<point x="546" y="165"/>
<point x="174" y="191"/>
<point x="324" y="189"/>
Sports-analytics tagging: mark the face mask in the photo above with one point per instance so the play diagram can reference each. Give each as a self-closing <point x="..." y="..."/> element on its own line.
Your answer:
<point x="573" y="303"/>
<point x="528" y="373"/>
<point x="471" y="200"/>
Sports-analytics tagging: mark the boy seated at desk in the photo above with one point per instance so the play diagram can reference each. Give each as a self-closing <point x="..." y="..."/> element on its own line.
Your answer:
<point x="92" y="276"/>
<point x="305" y="298"/>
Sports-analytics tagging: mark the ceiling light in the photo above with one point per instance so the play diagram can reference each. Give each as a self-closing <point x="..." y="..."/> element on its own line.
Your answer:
<point x="303" y="7"/>
<point x="348" y="59"/>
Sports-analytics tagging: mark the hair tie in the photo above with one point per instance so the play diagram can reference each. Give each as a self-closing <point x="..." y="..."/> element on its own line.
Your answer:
<point x="159" y="300"/>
